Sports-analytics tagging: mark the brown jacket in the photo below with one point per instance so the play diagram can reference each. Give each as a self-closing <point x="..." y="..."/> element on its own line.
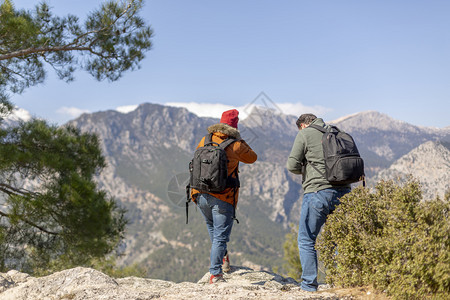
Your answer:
<point x="237" y="152"/>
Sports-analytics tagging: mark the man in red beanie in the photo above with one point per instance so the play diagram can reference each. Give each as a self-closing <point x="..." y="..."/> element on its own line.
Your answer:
<point x="218" y="209"/>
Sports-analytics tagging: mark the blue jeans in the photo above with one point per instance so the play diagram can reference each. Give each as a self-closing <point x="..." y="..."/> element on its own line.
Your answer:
<point x="218" y="215"/>
<point x="315" y="209"/>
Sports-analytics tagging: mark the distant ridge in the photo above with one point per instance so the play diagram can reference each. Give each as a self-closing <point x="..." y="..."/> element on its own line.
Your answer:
<point x="429" y="163"/>
<point x="341" y="119"/>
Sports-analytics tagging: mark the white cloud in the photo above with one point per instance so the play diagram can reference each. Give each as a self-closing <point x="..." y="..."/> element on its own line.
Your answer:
<point x="19" y="114"/>
<point x="298" y="108"/>
<point x="15" y="116"/>
<point x="126" y="108"/>
<point x="72" y="112"/>
<point x="215" y="110"/>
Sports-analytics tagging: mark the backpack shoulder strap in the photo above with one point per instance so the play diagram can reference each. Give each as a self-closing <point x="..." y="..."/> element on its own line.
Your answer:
<point x="320" y="128"/>
<point x="223" y="145"/>
<point x="208" y="140"/>
<point x="227" y="143"/>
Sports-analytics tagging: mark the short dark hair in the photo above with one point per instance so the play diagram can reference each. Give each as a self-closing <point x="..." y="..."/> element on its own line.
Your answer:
<point x="305" y="119"/>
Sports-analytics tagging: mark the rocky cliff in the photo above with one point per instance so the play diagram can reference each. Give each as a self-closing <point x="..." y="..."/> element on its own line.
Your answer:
<point x="429" y="163"/>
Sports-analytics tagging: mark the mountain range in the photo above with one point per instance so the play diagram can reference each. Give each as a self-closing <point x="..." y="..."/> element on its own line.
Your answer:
<point x="148" y="151"/>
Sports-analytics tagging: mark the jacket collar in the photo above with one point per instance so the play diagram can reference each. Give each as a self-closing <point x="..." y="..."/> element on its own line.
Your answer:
<point x="225" y="129"/>
<point x="318" y="121"/>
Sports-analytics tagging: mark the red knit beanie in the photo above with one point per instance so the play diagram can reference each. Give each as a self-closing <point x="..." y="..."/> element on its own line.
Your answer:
<point x="230" y="117"/>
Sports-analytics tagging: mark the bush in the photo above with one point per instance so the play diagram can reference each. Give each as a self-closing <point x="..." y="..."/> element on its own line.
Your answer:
<point x="291" y="255"/>
<point x="390" y="239"/>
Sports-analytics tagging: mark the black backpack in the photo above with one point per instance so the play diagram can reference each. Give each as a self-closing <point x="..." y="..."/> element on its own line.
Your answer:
<point x="343" y="164"/>
<point x="209" y="169"/>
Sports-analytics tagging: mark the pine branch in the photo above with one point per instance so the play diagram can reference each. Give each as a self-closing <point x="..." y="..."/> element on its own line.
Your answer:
<point x="8" y="70"/>
<point x="42" y="50"/>
<point x="7" y="189"/>
<point x="30" y="223"/>
<point x="73" y="46"/>
<point x="102" y="29"/>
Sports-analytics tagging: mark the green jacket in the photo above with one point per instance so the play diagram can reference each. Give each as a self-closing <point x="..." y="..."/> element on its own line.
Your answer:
<point x="308" y="145"/>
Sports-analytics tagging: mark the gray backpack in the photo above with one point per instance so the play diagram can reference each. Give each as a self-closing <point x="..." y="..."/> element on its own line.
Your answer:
<point x="343" y="164"/>
<point x="209" y="169"/>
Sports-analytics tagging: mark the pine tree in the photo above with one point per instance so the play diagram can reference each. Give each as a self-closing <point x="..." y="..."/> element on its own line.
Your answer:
<point x="52" y="213"/>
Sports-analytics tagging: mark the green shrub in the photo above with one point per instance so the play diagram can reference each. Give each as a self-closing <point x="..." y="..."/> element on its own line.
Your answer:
<point x="291" y="256"/>
<point x="390" y="239"/>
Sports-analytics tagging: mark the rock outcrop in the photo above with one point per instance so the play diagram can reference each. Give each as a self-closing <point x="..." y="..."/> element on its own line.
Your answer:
<point x="84" y="283"/>
<point x="429" y="163"/>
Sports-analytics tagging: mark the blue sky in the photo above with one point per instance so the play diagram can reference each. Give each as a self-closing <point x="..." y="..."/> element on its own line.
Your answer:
<point x="331" y="57"/>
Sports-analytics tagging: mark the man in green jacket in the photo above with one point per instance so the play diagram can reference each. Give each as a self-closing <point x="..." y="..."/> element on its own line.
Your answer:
<point x="320" y="197"/>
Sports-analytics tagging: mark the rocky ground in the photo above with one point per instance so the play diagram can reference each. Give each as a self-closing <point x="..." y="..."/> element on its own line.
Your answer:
<point x="84" y="283"/>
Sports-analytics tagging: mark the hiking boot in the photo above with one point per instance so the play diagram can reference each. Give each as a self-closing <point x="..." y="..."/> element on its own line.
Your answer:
<point x="216" y="278"/>
<point x="226" y="264"/>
